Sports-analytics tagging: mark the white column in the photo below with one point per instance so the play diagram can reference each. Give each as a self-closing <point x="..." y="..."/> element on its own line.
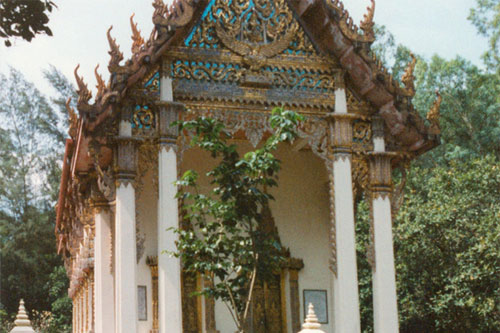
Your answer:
<point x="385" y="311"/>
<point x="169" y="268"/>
<point x="103" y="279"/>
<point x="346" y="299"/>
<point x="125" y="234"/>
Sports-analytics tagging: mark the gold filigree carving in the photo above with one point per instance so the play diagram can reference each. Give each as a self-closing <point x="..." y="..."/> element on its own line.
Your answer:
<point x="249" y="53"/>
<point x="216" y="72"/>
<point x="144" y="118"/>
<point x="356" y="105"/>
<point x="261" y="31"/>
<point x="362" y="132"/>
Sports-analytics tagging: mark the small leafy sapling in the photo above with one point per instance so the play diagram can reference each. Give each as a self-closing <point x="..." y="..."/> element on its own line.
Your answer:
<point x="221" y="235"/>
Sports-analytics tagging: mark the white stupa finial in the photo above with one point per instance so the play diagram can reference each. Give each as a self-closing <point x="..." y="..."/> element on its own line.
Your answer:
<point x="311" y="324"/>
<point x="22" y="323"/>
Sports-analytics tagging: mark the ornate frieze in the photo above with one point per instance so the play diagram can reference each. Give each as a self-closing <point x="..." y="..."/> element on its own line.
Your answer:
<point x="252" y="52"/>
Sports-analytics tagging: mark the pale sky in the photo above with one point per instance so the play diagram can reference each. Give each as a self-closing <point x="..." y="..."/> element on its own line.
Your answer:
<point x="427" y="26"/>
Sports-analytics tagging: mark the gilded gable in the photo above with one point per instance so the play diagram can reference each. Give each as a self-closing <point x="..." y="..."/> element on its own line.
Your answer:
<point x="251" y="55"/>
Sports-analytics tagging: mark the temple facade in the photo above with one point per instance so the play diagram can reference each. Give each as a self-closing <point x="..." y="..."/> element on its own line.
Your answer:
<point x="235" y="61"/>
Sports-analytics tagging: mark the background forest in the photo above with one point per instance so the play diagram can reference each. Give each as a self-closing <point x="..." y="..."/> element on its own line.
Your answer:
<point x="446" y="231"/>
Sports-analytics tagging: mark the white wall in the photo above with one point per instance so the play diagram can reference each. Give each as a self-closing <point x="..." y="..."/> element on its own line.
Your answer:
<point x="147" y="219"/>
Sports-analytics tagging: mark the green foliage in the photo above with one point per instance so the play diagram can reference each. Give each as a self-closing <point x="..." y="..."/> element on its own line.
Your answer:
<point x="222" y="236"/>
<point x="24" y="18"/>
<point x="446" y="232"/>
<point x="447" y="238"/>
<point x="30" y="149"/>
<point x="486" y="17"/>
<point x="470" y="111"/>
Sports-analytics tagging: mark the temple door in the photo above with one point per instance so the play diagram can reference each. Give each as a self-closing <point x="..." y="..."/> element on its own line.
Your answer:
<point x="268" y="306"/>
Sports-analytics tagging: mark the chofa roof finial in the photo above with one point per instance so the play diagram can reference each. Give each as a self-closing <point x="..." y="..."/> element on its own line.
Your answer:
<point x="434" y="114"/>
<point x="114" y="52"/>
<point x="84" y="94"/>
<point x="137" y="39"/>
<point x="367" y="24"/>
<point x="408" y="78"/>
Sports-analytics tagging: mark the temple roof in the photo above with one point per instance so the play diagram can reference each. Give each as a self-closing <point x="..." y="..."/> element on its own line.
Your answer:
<point x="326" y="23"/>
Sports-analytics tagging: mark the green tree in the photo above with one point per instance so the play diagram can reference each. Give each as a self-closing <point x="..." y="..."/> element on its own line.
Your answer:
<point x="486" y="17"/>
<point x="446" y="231"/>
<point x="24" y="18"/>
<point x="30" y="150"/>
<point x="447" y="241"/>
<point x="222" y="237"/>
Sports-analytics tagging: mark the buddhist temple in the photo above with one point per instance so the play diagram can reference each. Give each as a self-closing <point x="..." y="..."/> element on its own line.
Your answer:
<point x="235" y="61"/>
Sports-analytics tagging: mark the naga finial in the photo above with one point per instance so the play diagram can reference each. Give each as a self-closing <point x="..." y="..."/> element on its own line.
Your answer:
<point x="434" y="114"/>
<point x="84" y="94"/>
<point x="137" y="39"/>
<point x="101" y="85"/>
<point x="408" y="78"/>
<point x="116" y="55"/>
<point x="367" y="24"/>
<point x="72" y="119"/>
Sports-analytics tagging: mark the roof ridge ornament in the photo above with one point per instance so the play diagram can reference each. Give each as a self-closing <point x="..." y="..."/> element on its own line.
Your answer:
<point x="116" y="55"/>
<point x="84" y="94"/>
<point x="434" y="114"/>
<point x="101" y="85"/>
<point x="408" y="78"/>
<point x="347" y="26"/>
<point x="137" y="39"/>
<point x="367" y="24"/>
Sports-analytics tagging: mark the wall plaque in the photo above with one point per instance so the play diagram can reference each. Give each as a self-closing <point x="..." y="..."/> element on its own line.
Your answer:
<point x="319" y="300"/>
<point x="142" y="303"/>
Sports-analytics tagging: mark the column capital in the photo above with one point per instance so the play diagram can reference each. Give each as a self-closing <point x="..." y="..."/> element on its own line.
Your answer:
<point x="339" y="76"/>
<point x="126" y="159"/>
<point x="168" y="113"/>
<point x="381" y="172"/>
<point x="378" y="127"/>
<point x="341" y="125"/>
